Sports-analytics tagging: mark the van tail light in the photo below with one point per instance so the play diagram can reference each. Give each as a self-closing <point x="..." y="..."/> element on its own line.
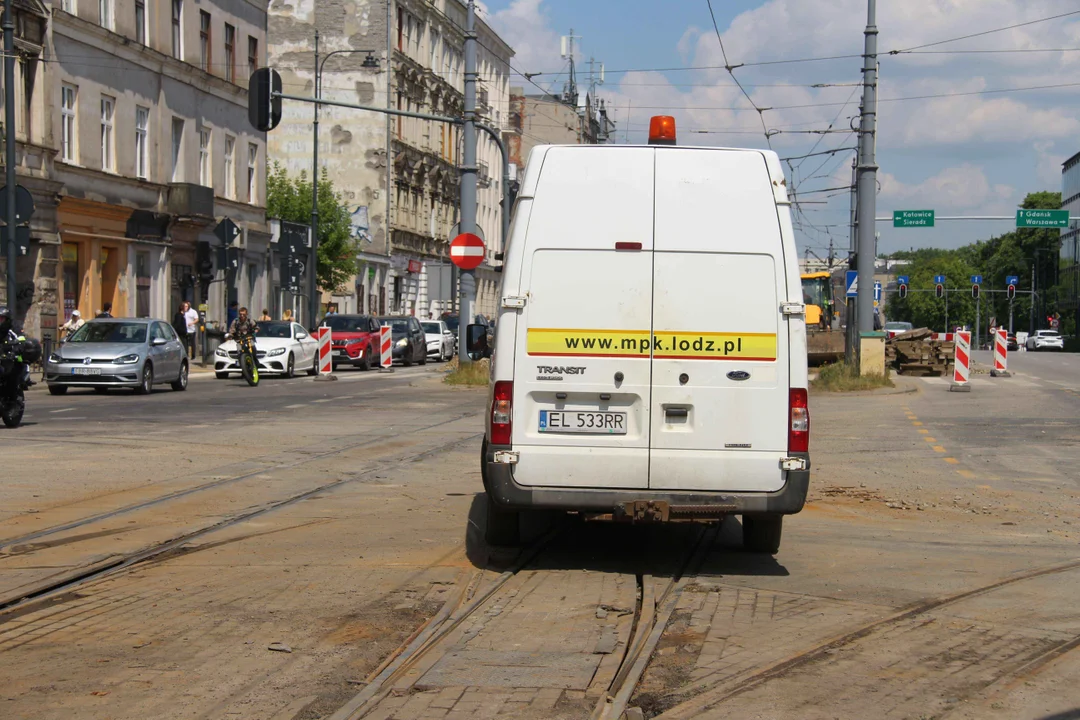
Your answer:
<point x="799" y="432"/>
<point x="501" y="412"/>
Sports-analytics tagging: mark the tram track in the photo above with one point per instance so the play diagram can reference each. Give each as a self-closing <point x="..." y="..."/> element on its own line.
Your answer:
<point x="24" y="598"/>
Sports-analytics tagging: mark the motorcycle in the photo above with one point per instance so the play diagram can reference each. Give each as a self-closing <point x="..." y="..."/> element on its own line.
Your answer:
<point x="15" y="378"/>
<point x="249" y="367"/>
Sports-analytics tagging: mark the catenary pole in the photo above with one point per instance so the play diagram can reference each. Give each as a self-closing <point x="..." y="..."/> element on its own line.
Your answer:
<point x="9" y="150"/>
<point x="851" y="328"/>
<point x="313" y="272"/>
<point x="467" y="282"/>
<point x="867" y="176"/>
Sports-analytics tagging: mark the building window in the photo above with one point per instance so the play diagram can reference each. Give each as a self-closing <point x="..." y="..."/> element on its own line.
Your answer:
<point x="28" y="72"/>
<point x="253" y="55"/>
<point x="177" y="34"/>
<point x="108" y="151"/>
<point x="204" y="40"/>
<point x="140" y="22"/>
<point x="177" y="146"/>
<point x="68" y="94"/>
<point x="105" y="13"/>
<point x="204" y="157"/>
<point x="230" y="167"/>
<point x="253" y="158"/>
<point x="69" y="6"/>
<point x="230" y="53"/>
<point x="142" y="148"/>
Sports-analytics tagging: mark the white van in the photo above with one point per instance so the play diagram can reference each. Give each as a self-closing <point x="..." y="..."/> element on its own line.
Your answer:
<point x="650" y="361"/>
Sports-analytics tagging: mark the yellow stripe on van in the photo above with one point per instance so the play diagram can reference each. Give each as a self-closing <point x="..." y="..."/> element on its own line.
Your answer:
<point x="562" y="342"/>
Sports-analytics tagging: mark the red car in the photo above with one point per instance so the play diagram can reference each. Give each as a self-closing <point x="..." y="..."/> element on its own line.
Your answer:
<point x="354" y="340"/>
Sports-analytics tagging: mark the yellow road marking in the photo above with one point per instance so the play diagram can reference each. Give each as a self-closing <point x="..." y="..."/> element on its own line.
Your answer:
<point x="930" y="439"/>
<point x="938" y="448"/>
<point x="924" y="431"/>
<point x="967" y="473"/>
<point x="952" y="461"/>
<point x="916" y="423"/>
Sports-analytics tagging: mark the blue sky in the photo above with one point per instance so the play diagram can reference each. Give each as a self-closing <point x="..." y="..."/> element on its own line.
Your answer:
<point x="975" y="154"/>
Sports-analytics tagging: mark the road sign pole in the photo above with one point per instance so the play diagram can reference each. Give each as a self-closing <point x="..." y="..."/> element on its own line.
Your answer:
<point x="978" y="321"/>
<point x="867" y="178"/>
<point x="467" y="285"/>
<point x="9" y="155"/>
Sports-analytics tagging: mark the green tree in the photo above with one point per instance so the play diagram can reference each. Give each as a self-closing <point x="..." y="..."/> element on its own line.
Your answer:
<point x="289" y="198"/>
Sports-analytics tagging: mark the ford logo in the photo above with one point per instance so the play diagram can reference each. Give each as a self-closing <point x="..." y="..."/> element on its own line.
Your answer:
<point x="738" y="375"/>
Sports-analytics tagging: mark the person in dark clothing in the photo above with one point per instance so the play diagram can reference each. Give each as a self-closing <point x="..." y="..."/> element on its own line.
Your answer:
<point x="106" y="311"/>
<point x="231" y="314"/>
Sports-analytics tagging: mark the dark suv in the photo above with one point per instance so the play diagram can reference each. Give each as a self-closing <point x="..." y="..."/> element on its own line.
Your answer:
<point x="410" y="343"/>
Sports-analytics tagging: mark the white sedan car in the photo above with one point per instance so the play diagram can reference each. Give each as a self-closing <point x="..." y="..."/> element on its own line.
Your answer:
<point x="1046" y="340"/>
<point x="281" y="348"/>
<point x="440" y="341"/>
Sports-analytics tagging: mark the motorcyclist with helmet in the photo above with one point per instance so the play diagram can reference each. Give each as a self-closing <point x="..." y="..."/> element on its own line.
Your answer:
<point x="8" y="338"/>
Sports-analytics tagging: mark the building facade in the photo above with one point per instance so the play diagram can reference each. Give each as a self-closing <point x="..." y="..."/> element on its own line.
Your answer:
<point x="399" y="176"/>
<point x="139" y="145"/>
<point x="1069" y="264"/>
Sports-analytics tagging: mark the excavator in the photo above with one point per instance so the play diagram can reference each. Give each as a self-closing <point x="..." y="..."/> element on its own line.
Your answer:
<point x="824" y="338"/>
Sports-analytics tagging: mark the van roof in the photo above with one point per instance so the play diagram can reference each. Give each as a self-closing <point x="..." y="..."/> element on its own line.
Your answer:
<point x="535" y="161"/>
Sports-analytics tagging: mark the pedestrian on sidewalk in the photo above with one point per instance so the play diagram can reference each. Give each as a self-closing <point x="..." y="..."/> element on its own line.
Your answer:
<point x="265" y="317"/>
<point x="286" y="316"/>
<point x="76" y="322"/>
<point x="186" y="324"/>
<point x="106" y="311"/>
<point x="232" y="313"/>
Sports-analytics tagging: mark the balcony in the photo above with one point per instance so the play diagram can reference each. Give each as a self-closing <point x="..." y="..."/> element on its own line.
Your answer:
<point x="191" y="200"/>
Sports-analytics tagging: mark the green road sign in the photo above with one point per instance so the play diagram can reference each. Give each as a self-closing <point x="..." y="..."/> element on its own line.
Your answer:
<point x="912" y="218"/>
<point x="1042" y="218"/>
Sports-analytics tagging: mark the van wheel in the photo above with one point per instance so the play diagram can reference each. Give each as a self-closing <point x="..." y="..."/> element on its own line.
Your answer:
<point x="503" y="526"/>
<point x="761" y="533"/>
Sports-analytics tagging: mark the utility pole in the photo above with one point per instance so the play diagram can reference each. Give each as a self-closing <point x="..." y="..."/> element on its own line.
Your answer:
<point x="570" y="92"/>
<point x="867" y="175"/>
<point x="314" y="270"/>
<point x="1031" y="315"/>
<point x="467" y="278"/>
<point x="851" y="323"/>
<point x="9" y="151"/>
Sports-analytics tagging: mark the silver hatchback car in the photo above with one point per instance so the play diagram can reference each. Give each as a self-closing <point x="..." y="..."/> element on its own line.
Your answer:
<point x="107" y="353"/>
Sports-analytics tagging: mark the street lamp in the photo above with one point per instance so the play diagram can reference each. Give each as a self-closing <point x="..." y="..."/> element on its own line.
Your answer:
<point x="370" y="62"/>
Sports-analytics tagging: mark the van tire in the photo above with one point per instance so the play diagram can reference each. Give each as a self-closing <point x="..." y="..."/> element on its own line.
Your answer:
<point x="761" y="533"/>
<point x="503" y="527"/>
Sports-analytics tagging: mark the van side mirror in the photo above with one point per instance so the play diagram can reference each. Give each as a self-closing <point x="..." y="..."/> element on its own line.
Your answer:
<point x="476" y="340"/>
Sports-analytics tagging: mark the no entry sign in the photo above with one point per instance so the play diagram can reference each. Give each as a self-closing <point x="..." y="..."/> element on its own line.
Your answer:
<point x="467" y="251"/>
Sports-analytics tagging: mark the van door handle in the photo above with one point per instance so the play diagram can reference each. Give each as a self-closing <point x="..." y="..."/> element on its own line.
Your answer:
<point x="676" y="412"/>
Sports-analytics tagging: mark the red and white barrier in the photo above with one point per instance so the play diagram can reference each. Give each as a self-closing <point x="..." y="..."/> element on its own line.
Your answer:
<point x="326" y="362"/>
<point x="386" y="347"/>
<point x="962" y="367"/>
<point x="943" y="337"/>
<point x="1001" y="354"/>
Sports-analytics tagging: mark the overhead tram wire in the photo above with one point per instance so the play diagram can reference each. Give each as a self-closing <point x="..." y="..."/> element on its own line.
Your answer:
<point x="731" y="71"/>
<point x="985" y="32"/>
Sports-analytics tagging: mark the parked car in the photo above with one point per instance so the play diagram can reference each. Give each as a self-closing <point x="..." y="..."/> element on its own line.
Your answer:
<point x="1046" y="340"/>
<point x="1010" y="342"/>
<point x="894" y="328"/>
<point x="127" y="353"/>
<point x="281" y="348"/>
<point x="440" y="341"/>
<point x="410" y="343"/>
<point x="354" y="340"/>
<point x="451" y="320"/>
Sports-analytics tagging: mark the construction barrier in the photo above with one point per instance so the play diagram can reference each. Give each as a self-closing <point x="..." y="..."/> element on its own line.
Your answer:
<point x="962" y="369"/>
<point x="1001" y="354"/>
<point x="386" y="347"/>
<point x="326" y="362"/>
<point x="943" y="337"/>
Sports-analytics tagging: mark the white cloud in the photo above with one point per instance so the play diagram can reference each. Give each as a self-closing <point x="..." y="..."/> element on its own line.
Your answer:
<point x="963" y="189"/>
<point x="525" y="26"/>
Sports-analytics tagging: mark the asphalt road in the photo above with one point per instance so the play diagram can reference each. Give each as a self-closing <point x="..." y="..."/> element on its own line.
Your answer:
<point x="1057" y="368"/>
<point x="933" y="572"/>
<point x="207" y="398"/>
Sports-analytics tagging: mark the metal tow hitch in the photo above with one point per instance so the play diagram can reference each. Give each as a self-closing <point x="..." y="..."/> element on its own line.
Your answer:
<point x="645" y="511"/>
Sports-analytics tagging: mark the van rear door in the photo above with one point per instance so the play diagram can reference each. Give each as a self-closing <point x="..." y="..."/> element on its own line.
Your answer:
<point x="581" y="368"/>
<point x="720" y="354"/>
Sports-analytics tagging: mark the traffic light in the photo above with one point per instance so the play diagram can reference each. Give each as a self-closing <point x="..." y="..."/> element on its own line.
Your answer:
<point x="902" y="291"/>
<point x="975" y="292"/>
<point x="1010" y="292"/>
<point x="940" y="290"/>
<point x="204" y="265"/>
<point x="264" y="106"/>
